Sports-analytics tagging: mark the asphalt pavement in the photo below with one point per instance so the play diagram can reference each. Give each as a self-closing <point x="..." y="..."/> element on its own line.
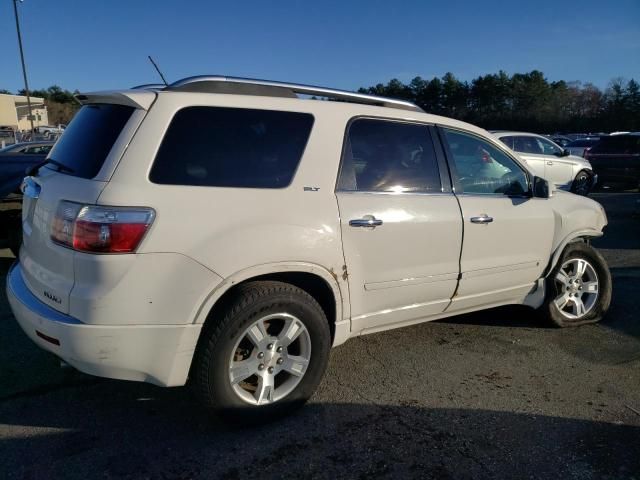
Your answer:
<point x="494" y="394"/>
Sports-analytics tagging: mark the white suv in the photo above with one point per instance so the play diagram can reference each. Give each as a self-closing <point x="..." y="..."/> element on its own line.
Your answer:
<point x="224" y="232"/>
<point x="552" y="162"/>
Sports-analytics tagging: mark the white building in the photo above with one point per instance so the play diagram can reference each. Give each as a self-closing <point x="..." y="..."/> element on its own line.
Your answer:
<point x="14" y="112"/>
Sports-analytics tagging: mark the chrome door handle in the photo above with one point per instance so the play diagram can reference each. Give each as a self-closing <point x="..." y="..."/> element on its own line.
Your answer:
<point x="368" y="221"/>
<point x="549" y="163"/>
<point x="484" y="218"/>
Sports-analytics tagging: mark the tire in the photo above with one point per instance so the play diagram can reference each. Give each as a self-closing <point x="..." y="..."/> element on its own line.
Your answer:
<point x="560" y="292"/>
<point x="270" y="304"/>
<point x="582" y="183"/>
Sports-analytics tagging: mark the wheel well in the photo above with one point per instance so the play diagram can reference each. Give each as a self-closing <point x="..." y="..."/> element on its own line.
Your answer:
<point x="314" y="285"/>
<point x="560" y="251"/>
<point x="589" y="173"/>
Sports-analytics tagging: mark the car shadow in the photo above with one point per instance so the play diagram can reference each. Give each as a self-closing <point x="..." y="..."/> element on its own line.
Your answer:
<point x="623" y="312"/>
<point x="139" y="431"/>
<point x="509" y="316"/>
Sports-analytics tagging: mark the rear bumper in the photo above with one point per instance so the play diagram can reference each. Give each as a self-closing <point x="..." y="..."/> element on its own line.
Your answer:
<point x="158" y="354"/>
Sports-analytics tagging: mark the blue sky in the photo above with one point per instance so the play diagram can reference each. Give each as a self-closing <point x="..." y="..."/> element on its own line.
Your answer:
<point x="94" y="44"/>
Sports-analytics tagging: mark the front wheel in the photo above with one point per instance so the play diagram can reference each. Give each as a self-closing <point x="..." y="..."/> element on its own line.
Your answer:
<point x="582" y="183"/>
<point x="265" y="355"/>
<point x="579" y="288"/>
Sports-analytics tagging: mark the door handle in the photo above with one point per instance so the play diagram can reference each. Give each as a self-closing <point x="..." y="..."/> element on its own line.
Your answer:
<point x="549" y="162"/>
<point x="484" y="218"/>
<point x="367" y="221"/>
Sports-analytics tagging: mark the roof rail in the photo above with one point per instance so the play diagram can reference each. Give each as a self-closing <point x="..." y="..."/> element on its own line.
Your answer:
<point x="149" y="86"/>
<point x="250" y="86"/>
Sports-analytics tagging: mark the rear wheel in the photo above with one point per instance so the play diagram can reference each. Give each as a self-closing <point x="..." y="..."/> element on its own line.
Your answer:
<point x="582" y="183"/>
<point x="579" y="288"/>
<point x="265" y="355"/>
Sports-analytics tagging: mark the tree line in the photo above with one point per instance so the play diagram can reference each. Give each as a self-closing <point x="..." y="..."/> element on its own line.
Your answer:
<point x="523" y="101"/>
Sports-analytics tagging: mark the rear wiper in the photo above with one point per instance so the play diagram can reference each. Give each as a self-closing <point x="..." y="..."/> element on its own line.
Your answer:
<point x="61" y="167"/>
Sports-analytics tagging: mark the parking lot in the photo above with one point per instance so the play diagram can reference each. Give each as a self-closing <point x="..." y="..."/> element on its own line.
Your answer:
<point x="488" y="395"/>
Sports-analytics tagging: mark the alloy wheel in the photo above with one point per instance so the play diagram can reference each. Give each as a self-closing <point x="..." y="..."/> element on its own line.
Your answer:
<point x="577" y="286"/>
<point x="270" y="359"/>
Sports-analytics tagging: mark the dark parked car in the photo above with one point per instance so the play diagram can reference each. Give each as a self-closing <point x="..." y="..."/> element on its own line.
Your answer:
<point x="581" y="146"/>
<point x="14" y="161"/>
<point x="616" y="160"/>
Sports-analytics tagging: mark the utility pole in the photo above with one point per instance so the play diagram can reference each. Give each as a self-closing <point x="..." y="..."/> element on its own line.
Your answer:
<point x="24" y="68"/>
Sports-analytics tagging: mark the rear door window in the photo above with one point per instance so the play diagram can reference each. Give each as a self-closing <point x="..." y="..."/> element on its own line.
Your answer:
<point x="524" y="144"/>
<point x="232" y="147"/>
<point x="87" y="141"/>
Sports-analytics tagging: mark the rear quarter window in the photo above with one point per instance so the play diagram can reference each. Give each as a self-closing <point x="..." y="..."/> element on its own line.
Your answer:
<point x="88" y="139"/>
<point x="232" y="147"/>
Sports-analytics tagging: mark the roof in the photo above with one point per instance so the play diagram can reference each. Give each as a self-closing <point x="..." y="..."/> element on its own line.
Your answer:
<point x="507" y="133"/>
<point x="252" y="86"/>
<point x="282" y="94"/>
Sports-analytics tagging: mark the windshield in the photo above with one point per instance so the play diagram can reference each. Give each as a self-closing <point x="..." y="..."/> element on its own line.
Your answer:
<point x="89" y="138"/>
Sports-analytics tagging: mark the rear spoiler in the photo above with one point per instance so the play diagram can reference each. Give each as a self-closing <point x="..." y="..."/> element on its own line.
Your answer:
<point x="142" y="99"/>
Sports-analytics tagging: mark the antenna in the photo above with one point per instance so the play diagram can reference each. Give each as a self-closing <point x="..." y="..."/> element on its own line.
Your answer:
<point x="158" y="70"/>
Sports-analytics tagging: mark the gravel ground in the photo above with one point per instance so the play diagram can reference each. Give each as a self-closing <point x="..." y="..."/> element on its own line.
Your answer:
<point x="486" y="395"/>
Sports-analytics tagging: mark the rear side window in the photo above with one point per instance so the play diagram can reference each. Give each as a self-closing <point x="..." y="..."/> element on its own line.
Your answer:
<point x="385" y="156"/>
<point x="232" y="147"/>
<point x="89" y="138"/>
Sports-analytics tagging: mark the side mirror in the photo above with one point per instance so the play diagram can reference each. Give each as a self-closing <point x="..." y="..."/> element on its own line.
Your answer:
<point x="541" y="188"/>
<point x="566" y="153"/>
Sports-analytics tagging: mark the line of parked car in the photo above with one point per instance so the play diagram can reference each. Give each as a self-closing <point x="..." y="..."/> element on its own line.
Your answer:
<point x="580" y="164"/>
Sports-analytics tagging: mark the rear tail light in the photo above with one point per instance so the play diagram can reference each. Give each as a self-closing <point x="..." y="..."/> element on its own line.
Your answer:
<point x="91" y="228"/>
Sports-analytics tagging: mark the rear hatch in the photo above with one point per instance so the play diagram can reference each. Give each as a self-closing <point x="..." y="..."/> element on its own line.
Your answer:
<point x="82" y="162"/>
